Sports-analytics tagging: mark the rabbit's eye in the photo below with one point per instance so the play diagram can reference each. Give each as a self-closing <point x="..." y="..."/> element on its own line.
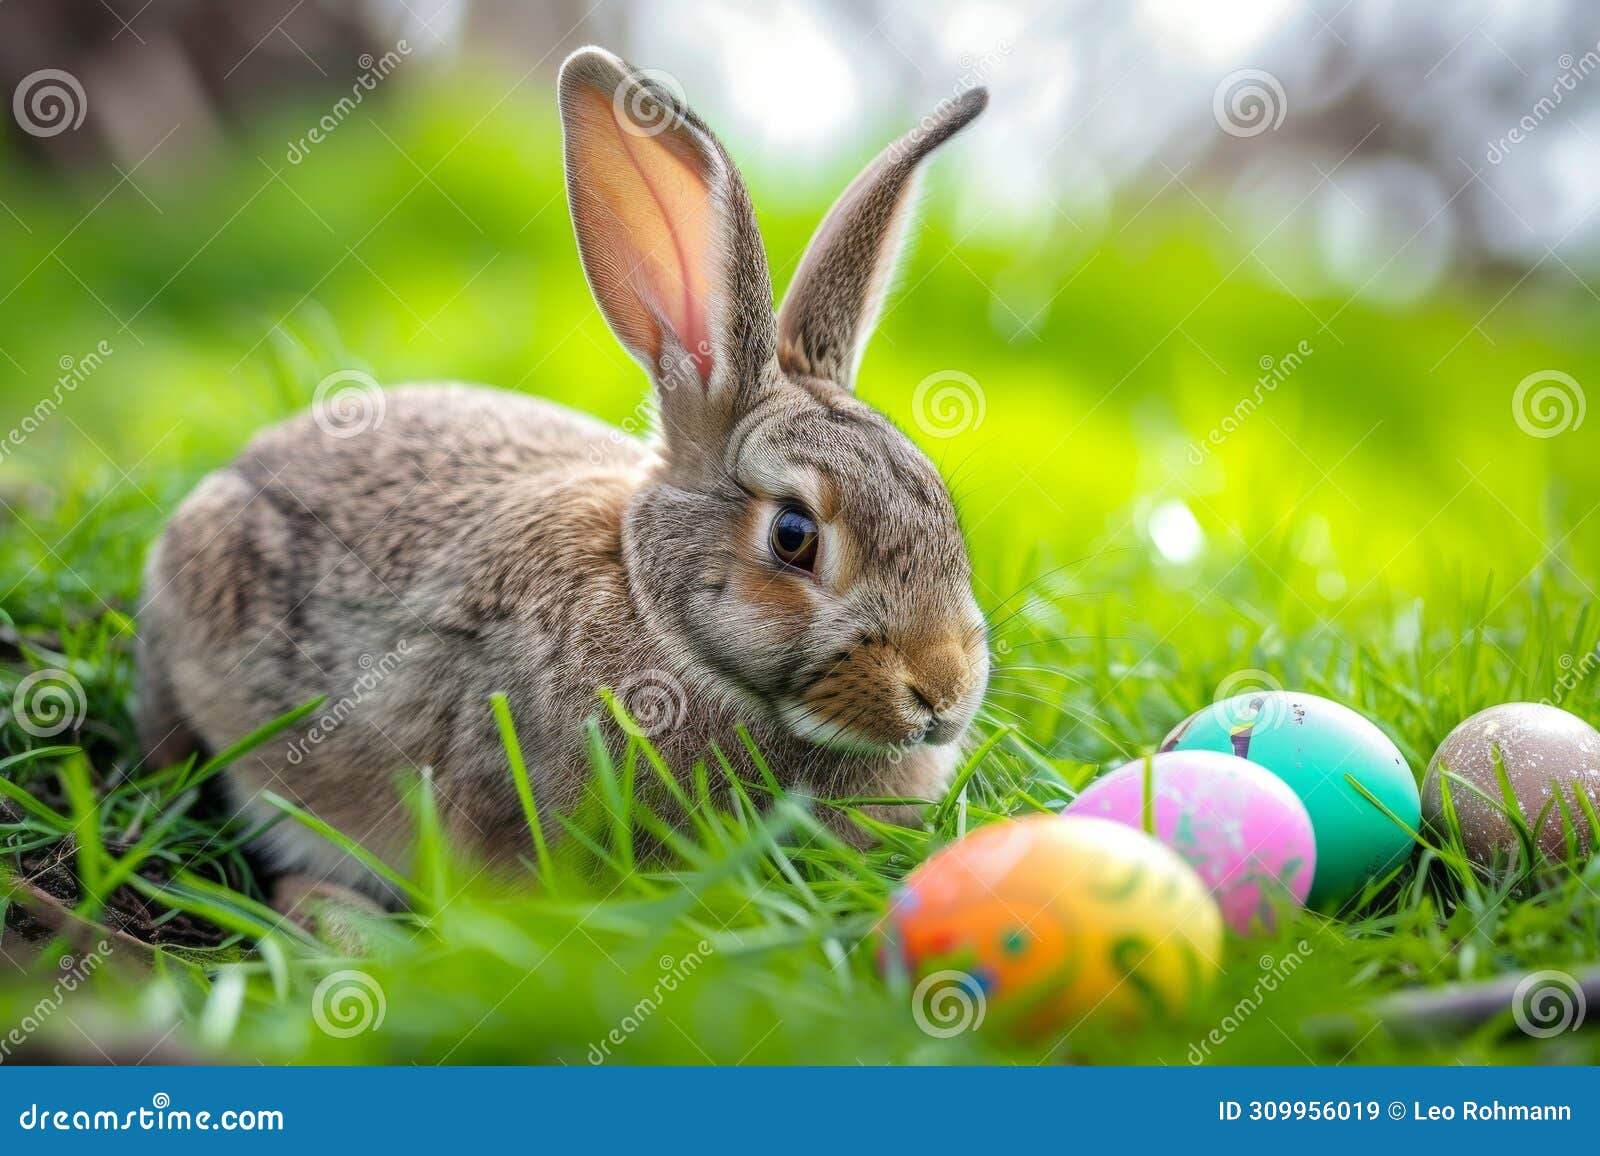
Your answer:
<point x="794" y="538"/>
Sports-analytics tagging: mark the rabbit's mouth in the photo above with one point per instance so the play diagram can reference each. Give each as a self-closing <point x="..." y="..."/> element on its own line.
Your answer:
<point x="884" y="695"/>
<point x="813" y="726"/>
<point x="856" y="734"/>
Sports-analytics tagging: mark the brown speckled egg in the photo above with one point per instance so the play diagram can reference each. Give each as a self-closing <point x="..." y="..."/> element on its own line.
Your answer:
<point x="1539" y="747"/>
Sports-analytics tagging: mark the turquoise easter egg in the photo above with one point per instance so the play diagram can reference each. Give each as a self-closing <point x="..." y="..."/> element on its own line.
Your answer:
<point x="1313" y="744"/>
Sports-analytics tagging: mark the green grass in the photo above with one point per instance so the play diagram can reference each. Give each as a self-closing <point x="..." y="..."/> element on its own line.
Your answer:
<point x="1379" y="531"/>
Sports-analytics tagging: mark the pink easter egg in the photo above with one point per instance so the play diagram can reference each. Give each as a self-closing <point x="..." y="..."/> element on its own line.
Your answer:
<point x="1243" y="829"/>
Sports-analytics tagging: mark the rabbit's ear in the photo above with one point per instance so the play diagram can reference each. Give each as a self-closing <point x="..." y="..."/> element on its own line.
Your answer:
<point x="668" y="239"/>
<point x="833" y="302"/>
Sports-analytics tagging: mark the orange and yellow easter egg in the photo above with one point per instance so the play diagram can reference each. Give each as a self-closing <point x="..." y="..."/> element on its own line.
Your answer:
<point x="1045" y="920"/>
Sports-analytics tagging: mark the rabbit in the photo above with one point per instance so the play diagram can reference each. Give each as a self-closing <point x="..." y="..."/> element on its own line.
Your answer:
<point x="778" y="555"/>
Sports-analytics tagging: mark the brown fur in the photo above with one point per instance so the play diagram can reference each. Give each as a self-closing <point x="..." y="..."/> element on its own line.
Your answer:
<point x="498" y="543"/>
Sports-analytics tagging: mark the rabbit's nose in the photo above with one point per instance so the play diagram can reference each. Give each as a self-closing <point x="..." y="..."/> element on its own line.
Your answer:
<point x="935" y="720"/>
<point x="924" y="700"/>
<point x="939" y="679"/>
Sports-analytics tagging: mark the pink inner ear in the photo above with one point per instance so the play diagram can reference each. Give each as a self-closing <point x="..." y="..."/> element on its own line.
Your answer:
<point x="645" y="213"/>
<point x="683" y="311"/>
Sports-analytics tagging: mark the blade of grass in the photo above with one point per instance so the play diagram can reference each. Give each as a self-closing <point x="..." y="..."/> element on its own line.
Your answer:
<point x="1147" y="796"/>
<point x="125" y="866"/>
<point x="250" y="742"/>
<point x="367" y="859"/>
<point x="54" y="819"/>
<point x="969" y="768"/>
<point x="501" y="707"/>
<point x="85" y="807"/>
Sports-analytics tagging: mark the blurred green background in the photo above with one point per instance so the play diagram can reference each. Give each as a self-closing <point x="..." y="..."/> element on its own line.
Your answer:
<point x="1180" y="457"/>
<point x="1383" y="471"/>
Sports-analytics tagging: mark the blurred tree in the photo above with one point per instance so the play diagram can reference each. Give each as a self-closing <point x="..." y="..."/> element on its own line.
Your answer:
<point x="171" y="74"/>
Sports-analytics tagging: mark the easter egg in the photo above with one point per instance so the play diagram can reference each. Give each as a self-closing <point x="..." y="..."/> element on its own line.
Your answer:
<point x="1313" y="745"/>
<point x="1541" y="748"/>
<point x="1039" y="922"/>
<point x="1242" y="829"/>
